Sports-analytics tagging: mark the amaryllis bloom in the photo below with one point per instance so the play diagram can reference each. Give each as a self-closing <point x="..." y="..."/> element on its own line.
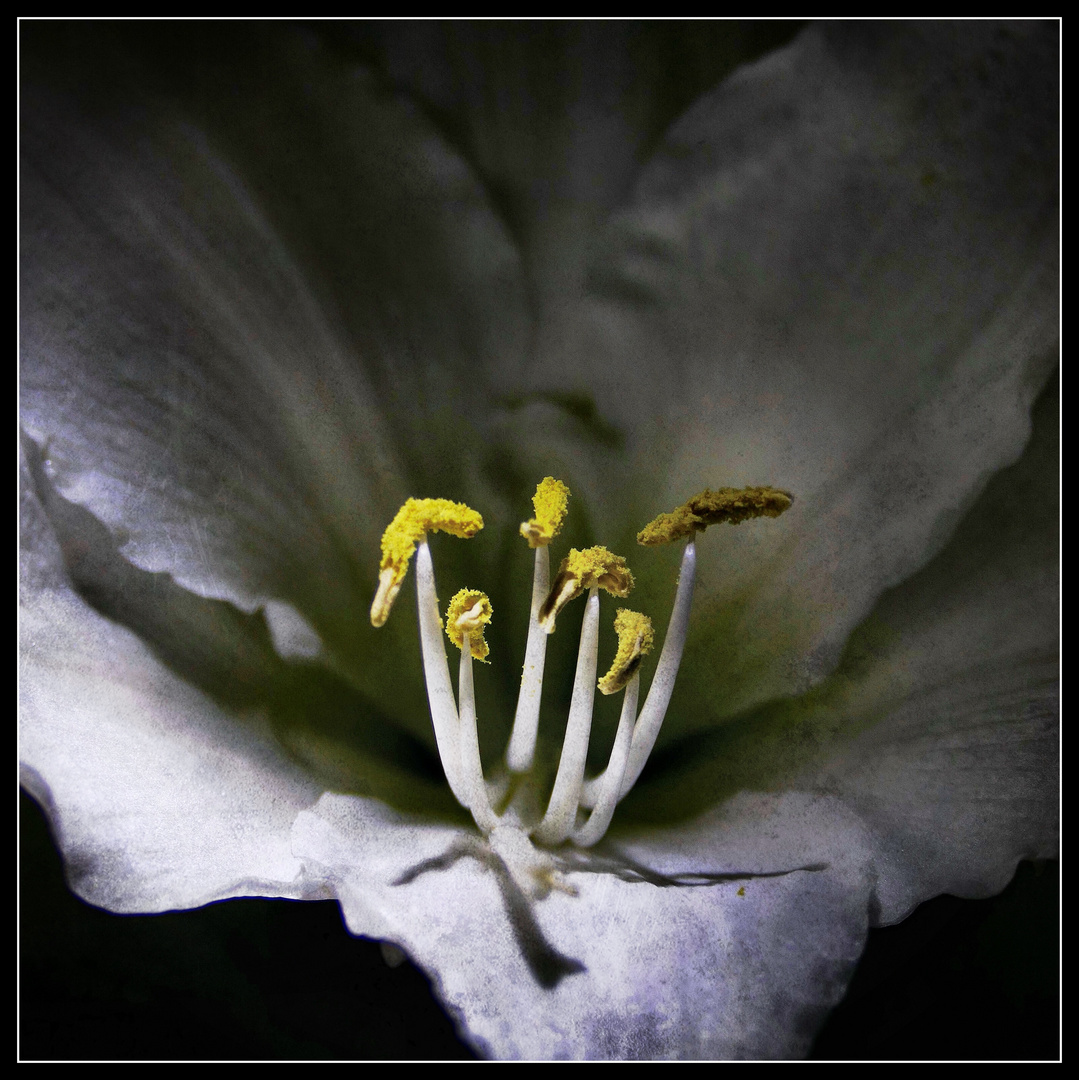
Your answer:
<point x="278" y="281"/>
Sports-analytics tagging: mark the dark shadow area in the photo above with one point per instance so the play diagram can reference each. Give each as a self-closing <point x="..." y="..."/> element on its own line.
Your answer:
<point x="263" y="979"/>
<point x="548" y="966"/>
<point x="612" y="861"/>
<point x="959" y="980"/>
<point x="674" y="63"/>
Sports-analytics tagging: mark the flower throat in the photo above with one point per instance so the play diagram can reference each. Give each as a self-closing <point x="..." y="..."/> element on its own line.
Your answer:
<point x="578" y="810"/>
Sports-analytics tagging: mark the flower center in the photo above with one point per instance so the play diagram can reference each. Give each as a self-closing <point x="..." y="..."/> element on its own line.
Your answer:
<point x="578" y="810"/>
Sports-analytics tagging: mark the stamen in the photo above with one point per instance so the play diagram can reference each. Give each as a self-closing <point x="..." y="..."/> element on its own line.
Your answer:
<point x="411" y="523"/>
<point x="389" y="585"/>
<point x="562" y="809"/>
<point x="475" y="790"/>
<point x="522" y="745"/>
<point x="549" y="503"/>
<point x="456" y="733"/>
<point x="609" y="786"/>
<point x="468" y="613"/>
<point x="550" y="506"/>
<point x="732" y="505"/>
<point x="580" y="570"/>
<point x="437" y="673"/>
<point x="566" y="588"/>
<point x="635" y="638"/>
<point x="659" y="693"/>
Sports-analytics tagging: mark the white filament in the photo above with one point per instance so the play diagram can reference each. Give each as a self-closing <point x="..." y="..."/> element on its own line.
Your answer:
<point x="522" y="745"/>
<point x="659" y="693"/>
<point x="471" y="774"/>
<point x="437" y="673"/>
<point x="457" y="736"/>
<point x="562" y="809"/>
<point x="611" y="785"/>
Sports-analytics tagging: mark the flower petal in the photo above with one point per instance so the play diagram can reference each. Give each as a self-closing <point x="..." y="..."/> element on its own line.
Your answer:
<point x="837" y="276"/>
<point x="962" y="780"/>
<point x="557" y="117"/>
<point x="156" y="796"/>
<point x="633" y="966"/>
<point x="939" y="727"/>
<point x="255" y="287"/>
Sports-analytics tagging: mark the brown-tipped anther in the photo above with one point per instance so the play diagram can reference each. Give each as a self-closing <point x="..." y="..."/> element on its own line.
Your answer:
<point x="580" y="570"/>
<point x="635" y="639"/>
<point x="730" y="505"/>
<point x="566" y="587"/>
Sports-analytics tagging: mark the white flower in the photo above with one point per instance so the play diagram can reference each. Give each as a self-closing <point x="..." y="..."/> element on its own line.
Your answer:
<point x="266" y="297"/>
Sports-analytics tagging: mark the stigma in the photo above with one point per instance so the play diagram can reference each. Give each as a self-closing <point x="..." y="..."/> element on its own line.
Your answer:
<point x="578" y="810"/>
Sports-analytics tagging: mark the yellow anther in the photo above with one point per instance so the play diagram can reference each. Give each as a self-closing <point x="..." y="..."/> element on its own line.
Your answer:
<point x="732" y="505"/>
<point x="635" y="640"/>
<point x="468" y="613"/>
<point x="581" y="570"/>
<point x="598" y="566"/>
<point x="412" y="521"/>
<point x="550" y="506"/>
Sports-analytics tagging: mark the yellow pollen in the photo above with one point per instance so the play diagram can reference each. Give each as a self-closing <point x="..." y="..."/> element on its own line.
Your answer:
<point x="732" y="505"/>
<point x="581" y="570"/>
<point x="598" y="566"/>
<point x="635" y="640"/>
<point x="468" y="613"/>
<point x="550" y="506"/>
<point x="412" y="521"/>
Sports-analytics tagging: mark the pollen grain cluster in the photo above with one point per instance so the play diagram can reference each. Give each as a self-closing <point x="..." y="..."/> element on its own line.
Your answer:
<point x="468" y="613"/>
<point x="731" y="505"/>
<point x="635" y="640"/>
<point x="416" y="518"/>
<point x="597" y="566"/>
<point x="550" y="503"/>
<point x="594" y="567"/>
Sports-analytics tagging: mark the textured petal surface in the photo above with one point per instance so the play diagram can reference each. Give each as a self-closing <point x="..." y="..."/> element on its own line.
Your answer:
<point x="963" y="779"/>
<point x="557" y="118"/>
<point x="249" y="316"/>
<point x="939" y="727"/>
<point x="636" y="965"/>
<point x="158" y="798"/>
<point x="837" y="276"/>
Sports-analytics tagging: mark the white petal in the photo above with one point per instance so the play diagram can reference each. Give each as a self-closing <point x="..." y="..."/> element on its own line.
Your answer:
<point x="838" y="276"/>
<point x="961" y="780"/>
<point x="628" y="968"/>
<point x="250" y="310"/>
<point x="557" y="118"/>
<point x="156" y="796"/>
<point x="939" y="728"/>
